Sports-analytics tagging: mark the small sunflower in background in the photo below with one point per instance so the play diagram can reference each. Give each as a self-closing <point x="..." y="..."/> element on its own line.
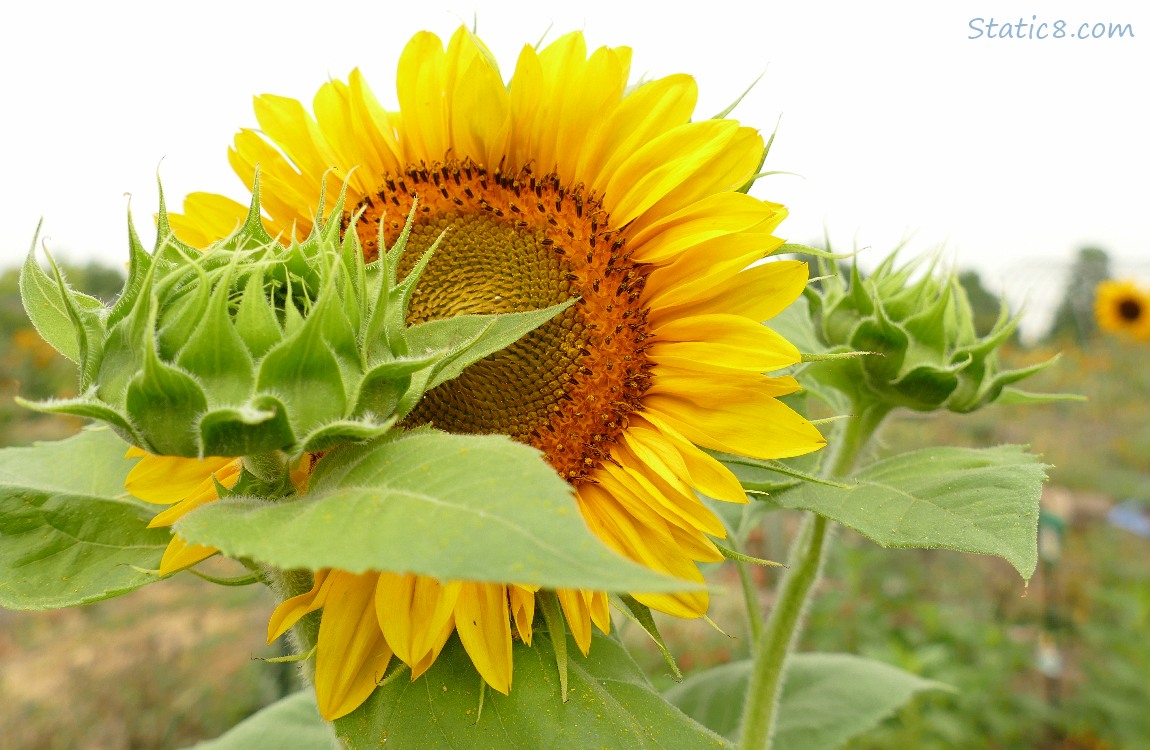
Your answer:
<point x="564" y="183"/>
<point x="1123" y="307"/>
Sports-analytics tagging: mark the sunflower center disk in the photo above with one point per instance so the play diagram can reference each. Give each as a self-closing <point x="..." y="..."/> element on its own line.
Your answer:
<point x="1129" y="309"/>
<point x="519" y="242"/>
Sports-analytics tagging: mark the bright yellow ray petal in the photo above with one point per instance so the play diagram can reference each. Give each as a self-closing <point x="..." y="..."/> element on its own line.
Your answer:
<point x="288" y="200"/>
<point x="601" y="611"/>
<point x="353" y="142"/>
<point x="484" y="628"/>
<point x="650" y="110"/>
<point x="661" y="166"/>
<point x="285" y="122"/>
<point x="181" y="554"/>
<point x="169" y="479"/>
<point x="478" y="105"/>
<point x="702" y="471"/>
<point x="578" y="616"/>
<point x="697" y="271"/>
<point x="758" y="425"/>
<point x="352" y="654"/>
<point x="678" y="504"/>
<point x="676" y="452"/>
<point x="728" y="169"/>
<point x="207" y="217"/>
<point x="420" y="86"/>
<point x="523" y="610"/>
<point x="722" y="341"/>
<point x="711" y="217"/>
<point x="759" y="293"/>
<point x="415" y="614"/>
<point x="291" y="610"/>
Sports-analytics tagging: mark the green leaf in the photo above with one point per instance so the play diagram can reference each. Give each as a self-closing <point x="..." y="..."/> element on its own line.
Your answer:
<point x="983" y="501"/>
<point x="292" y="722"/>
<point x="827" y="698"/>
<point x="453" y="507"/>
<point x="611" y="705"/>
<point x="71" y="536"/>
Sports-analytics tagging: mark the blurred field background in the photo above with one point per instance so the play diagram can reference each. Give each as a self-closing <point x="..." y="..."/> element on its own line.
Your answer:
<point x="1063" y="663"/>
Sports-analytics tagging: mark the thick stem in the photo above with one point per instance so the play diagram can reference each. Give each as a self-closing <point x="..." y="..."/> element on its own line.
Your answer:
<point x="777" y="640"/>
<point x="305" y="633"/>
<point x="775" y="643"/>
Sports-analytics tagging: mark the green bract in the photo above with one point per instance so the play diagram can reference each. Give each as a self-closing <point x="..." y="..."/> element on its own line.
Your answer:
<point x="250" y="346"/>
<point x="924" y="352"/>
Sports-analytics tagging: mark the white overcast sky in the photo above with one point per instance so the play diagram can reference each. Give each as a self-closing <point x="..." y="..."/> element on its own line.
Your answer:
<point x="1012" y="153"/>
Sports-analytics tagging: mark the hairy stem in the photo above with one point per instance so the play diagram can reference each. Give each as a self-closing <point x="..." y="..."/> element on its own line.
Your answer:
<point x="777" y="640"/>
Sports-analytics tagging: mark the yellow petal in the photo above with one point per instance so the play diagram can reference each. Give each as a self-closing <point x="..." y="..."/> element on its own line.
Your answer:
<point x="759" y="293"/>
<point x="726" y="342"/>
<point x="727" y="169"/>
<point x="291" y="610"/>
<point x="578" y="616"/>
<point x="478" y="105"/>
<point x="523" y="609"/>
<point x="484" y="628"/>
<point x="415" y="614"/>
<point x="419" y="85"/>
<point x="709" y="218"/>
<point x="700" y="470"/>
<point x="181" y="554"/>
<point x="167" y="479"/>
<point x="758" y="425"/>
<point x="661" y="166"/>
<point x="650" y="110"/>
<point x="207" y="217"/>
<point x="352" y="654"/>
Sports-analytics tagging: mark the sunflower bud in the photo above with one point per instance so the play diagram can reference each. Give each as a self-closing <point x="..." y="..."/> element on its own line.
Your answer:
<point x="918" y="330"/>
<point x="251" y="346"/>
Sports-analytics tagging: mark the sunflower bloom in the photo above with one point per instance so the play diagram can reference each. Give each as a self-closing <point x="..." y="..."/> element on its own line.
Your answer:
<point x="563" y="183"/>
<point x="1122" y="307"/>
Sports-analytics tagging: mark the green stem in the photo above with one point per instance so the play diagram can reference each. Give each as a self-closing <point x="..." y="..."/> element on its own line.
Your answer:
<point x="304" y="634"/>
<point x="777" y="640"/>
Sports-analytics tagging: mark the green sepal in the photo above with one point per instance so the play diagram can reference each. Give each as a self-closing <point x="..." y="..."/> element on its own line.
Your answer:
<point x="344" y="431"/>
<point x="255" y="322"/>
<point x="305" y="373"/>
<point x="86" y="406"/>
<point x="217" y="354"/>
<point x="165" y="403"/>
<point x="44" y="304"/>
<point x="553" y="618"/>
<point x="640" y="614"/>
<point x="384" y="383"/>
<point x="139" y="268"/>
<point x="179" y="321"/>
<point x="260" y="425"/>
